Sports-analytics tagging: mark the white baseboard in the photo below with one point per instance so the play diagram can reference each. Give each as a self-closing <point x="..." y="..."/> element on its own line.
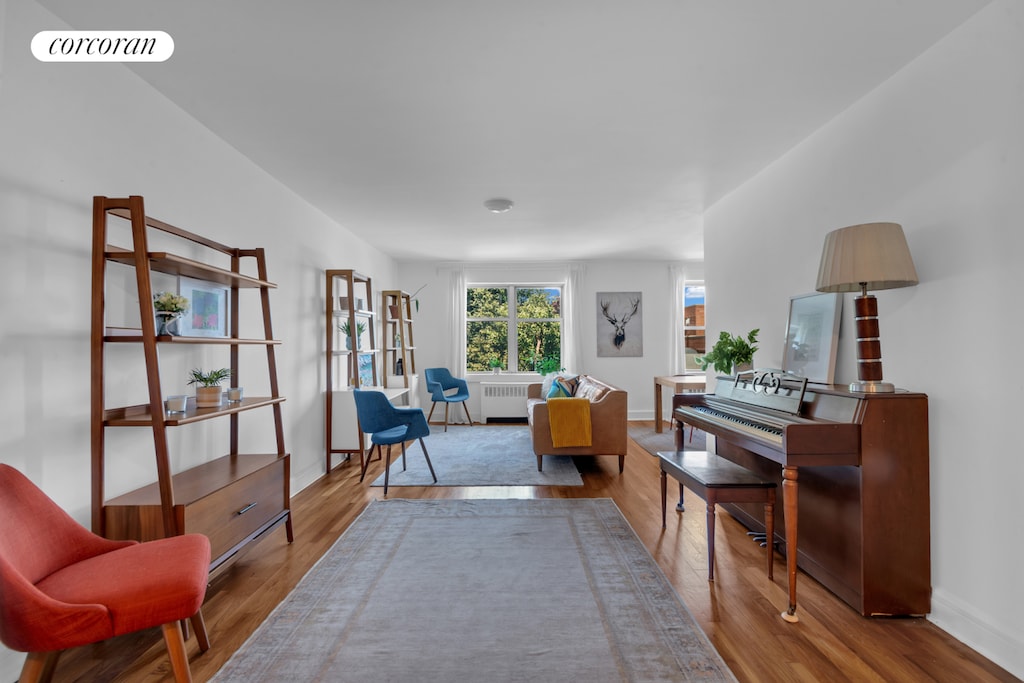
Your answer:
<point x="999" y="644"/>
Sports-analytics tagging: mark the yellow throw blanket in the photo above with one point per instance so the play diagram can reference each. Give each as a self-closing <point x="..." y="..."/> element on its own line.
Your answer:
<point x="570" y="421"/>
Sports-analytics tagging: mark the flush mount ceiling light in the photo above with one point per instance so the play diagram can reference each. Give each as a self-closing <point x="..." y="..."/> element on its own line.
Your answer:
<point x="498" y="205"/>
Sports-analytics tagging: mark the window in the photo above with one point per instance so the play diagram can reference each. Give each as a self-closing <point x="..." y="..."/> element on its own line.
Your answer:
<point x="693" y="324"/>
<point x="514" y="327"/>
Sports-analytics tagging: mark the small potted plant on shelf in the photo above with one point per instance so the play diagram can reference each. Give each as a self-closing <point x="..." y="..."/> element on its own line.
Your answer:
<point x="208" y="393"/>
<point x="169" y="308"/>
<point x="346" y="329"/>
<point x="731" y="353"/>
<point x="495" y="365"/>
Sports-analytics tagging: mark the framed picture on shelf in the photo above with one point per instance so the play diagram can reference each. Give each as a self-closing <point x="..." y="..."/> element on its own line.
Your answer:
<point x="207" y="314"/>
<point x="366" y="369"/>
<point x="812" y="336"/>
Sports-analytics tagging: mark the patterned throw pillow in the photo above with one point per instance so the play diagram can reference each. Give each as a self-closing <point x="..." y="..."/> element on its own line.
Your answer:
<point x="591" y="390"/>
<point x="568" y="384"/>
<point x="557" y="390"/>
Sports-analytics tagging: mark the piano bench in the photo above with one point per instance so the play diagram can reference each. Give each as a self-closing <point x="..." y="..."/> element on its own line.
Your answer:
<point x="717" y="480"/>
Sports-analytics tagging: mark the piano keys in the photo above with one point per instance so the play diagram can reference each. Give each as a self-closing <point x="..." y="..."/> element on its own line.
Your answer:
<point x="853" y="470"/>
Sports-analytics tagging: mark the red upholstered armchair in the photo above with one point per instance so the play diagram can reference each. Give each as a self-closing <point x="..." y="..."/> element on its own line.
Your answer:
<point x="62" y="586"/>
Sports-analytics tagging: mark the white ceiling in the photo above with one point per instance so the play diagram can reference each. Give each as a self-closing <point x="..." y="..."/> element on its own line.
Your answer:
<point x="612" y="124"/>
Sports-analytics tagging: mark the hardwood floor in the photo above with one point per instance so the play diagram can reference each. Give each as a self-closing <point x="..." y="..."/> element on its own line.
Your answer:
<point x="739" y="611"/>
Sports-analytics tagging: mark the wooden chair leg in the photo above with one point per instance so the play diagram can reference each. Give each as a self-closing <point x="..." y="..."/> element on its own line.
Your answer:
<point x="468" y="418"/>
<point x="387" y="470"/>
<point x="366" y="462"/>
<point x="446" y="416"/>
<point x="199" y="626"/>
<point x="369" y="455"/>
<point x="403" y="456"/>
<point x="39" y="667"/>
<point x="431" y="414"/>
<point x="425" y="455"/>
<point x="176" y="649"/>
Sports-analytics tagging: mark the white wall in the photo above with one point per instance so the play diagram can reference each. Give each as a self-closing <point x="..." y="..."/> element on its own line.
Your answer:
<point x="71" y="131"/>
<point x="938" y="148"/>
<point x="635" y="375"/>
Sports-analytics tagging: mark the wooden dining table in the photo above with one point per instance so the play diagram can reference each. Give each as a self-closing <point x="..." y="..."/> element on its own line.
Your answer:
<point x="678" y="384"/>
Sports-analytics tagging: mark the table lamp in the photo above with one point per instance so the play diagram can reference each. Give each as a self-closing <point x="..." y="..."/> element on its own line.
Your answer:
<point x="865" y="257"/>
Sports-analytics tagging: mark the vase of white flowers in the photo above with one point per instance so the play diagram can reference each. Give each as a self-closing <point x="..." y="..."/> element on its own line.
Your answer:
<point x="169" y="309"/>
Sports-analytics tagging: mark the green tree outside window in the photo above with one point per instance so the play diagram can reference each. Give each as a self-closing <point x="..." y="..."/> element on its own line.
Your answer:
<point x="519" y="327"/>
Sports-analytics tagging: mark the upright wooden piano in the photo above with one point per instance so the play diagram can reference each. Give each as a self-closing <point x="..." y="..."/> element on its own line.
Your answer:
<point x="853" y="468"/>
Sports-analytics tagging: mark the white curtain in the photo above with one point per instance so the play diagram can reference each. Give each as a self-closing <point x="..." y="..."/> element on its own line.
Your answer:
<point x="676" y="342"/>
<point x="572" y="310"/>
<point x="456" y="355"/>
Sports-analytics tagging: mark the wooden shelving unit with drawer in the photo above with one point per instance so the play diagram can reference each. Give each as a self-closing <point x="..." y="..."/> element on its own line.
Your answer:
<point x="234" y="499"/>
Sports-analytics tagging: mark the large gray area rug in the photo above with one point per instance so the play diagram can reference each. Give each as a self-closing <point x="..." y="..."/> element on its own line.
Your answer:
<point x="479" y="456"/>
<point x="482" y="590"/>
<point x="652" y="442"/>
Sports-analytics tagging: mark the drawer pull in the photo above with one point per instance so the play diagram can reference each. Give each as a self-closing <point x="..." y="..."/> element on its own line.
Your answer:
<point x="248" y="507"/>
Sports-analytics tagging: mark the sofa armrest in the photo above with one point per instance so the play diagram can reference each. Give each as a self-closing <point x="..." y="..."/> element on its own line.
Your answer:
<point x="533" y="390"/>
<point x="608" y="415"/>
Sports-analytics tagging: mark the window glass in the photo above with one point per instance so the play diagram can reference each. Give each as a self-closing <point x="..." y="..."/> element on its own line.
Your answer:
<point x="487" y="302"/>
<point x="517" y="328"/>
<point x="693" y="323"/>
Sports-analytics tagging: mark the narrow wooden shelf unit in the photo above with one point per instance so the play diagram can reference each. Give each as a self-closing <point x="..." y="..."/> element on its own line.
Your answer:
<point x="235" y="499"/>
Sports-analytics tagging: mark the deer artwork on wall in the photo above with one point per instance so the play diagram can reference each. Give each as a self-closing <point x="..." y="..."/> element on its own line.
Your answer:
<point x="619" y="322"/>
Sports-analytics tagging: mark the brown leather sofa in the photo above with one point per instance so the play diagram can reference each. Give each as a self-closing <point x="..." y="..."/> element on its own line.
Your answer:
<point x="607" y="418"/>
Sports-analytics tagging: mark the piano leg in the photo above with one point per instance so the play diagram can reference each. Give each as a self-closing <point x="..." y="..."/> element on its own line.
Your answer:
<point x="789" y="507"/>
<point x="679" y="506"/>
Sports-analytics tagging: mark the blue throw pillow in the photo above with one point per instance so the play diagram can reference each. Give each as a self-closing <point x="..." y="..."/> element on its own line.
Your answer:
<point x="557" y="391"/>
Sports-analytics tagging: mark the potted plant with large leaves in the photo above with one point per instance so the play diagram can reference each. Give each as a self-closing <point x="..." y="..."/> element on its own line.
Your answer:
<point x="208" y="392"/>
<point x="731" y="353"/>
<point x="346" y="330"/>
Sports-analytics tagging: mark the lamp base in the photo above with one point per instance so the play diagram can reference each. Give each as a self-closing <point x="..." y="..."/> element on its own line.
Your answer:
<point x="872" y="387"/>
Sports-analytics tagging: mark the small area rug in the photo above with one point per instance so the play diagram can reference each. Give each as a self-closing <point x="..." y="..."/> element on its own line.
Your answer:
<point x="480" y="455"/>
<point x="652" y="442"/>
<point x="482" y="590"/>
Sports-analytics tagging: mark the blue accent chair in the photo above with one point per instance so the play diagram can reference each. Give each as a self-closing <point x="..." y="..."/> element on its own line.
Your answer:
<point x="439" y="382"/>
<point x="388" y="425"/>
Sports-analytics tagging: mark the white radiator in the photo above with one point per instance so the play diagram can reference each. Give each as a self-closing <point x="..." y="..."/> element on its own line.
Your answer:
<point x="503" y="400"/>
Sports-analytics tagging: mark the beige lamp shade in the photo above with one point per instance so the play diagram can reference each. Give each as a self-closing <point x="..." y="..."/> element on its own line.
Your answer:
<point x="866" y="257"/>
